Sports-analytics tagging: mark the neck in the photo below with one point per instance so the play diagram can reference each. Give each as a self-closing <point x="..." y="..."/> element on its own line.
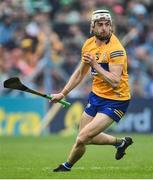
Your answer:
<point x="99" y="42"/>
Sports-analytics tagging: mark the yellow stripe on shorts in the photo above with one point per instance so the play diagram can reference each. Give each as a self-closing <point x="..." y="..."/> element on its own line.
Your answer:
<point x="118" y="113"/>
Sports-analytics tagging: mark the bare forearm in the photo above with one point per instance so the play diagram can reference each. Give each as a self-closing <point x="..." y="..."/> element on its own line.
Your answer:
<point x="72" y="83"/>
<point x="76" y="78"/>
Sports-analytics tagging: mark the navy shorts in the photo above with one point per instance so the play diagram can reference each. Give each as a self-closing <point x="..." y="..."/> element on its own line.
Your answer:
<point x="113" y="108"/>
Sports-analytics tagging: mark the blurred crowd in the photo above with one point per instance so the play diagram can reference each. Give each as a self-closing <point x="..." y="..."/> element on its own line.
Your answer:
<point x="41" y="40"/>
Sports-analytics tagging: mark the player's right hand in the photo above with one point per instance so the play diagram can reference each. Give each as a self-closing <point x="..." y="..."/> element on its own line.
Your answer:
<point x="56" y="97"/>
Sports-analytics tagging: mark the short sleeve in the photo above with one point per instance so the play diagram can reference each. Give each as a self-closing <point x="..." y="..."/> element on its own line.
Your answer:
<point x="117" y="57"/>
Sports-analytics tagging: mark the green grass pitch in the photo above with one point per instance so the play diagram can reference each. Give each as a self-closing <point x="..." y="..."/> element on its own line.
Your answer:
<point x="35" y="157"/>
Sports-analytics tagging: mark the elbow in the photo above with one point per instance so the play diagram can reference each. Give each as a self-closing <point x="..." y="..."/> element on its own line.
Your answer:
<point x="115" y="84"/>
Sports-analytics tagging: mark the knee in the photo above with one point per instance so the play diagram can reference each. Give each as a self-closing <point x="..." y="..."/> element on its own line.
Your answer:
<point x="82" y="139"/>
<point x="79" y="142"/>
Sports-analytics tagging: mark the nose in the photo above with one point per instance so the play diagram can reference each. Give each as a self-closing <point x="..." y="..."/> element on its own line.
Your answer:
<point x="103" y="28"/>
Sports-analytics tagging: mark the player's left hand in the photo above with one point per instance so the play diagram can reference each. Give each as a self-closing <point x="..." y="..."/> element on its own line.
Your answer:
<point x="89" y="59"/>
<point x="56" y="97"/>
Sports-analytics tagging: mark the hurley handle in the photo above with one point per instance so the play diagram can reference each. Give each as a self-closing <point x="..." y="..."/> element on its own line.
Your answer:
<point x="62" y="101"/>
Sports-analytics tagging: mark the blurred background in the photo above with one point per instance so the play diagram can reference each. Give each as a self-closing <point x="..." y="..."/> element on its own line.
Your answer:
<point x="40" y="42"/>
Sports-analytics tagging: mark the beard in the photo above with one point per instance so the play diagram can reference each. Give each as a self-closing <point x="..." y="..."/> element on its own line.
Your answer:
<point x="102" y="38"/>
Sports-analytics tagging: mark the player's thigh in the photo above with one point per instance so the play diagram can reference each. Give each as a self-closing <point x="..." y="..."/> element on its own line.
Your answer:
<point x="97" y="125"/>
<point x="85" y="119"/>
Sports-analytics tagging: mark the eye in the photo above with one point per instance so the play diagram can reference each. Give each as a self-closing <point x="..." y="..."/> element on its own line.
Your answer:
<point x="101" y="24"/>
<point x="107" y="24"/>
